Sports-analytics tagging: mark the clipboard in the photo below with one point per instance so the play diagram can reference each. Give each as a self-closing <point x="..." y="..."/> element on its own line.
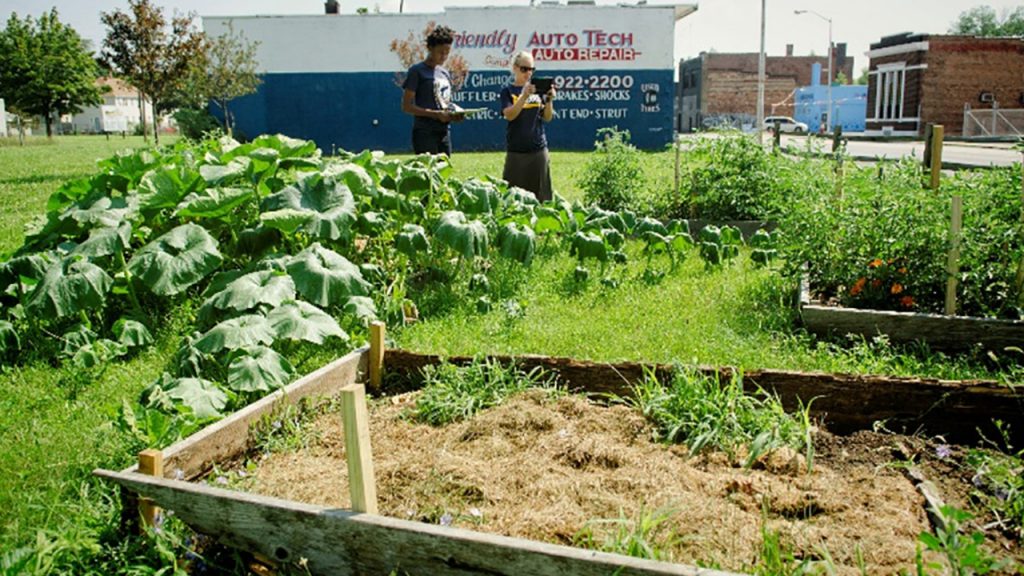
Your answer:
<point x="468" y="112"/>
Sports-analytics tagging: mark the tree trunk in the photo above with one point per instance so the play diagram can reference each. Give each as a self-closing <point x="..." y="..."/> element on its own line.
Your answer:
<point x="49" y="126"/>
<point x="142" y="115"/>
<point x="21" y="131"/>
<point x="156" y="129"/>
<point x="227" y="117"/>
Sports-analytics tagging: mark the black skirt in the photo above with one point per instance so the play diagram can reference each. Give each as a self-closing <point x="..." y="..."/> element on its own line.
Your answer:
<point x="529" y="171"/>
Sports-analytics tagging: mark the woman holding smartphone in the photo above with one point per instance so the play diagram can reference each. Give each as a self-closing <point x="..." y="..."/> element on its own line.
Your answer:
<point x="526" y="158"/>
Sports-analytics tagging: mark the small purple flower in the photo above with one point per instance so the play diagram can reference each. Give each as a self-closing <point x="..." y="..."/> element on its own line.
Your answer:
<point x="978" y="480"/>
<point x="222" y="479"/>
<point x="475" y="512"/>
<point x="179" y="474"/>
<point x="943" y="451"/>
<point x="242" y="474"/>
<point x="446" y="519"/>
<point x="1002" y="494"/>
<point x="277" y="425"/>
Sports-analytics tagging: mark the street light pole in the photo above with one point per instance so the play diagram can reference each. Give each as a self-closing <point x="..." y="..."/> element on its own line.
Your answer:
<point x="759" y="116"/>
<point x="828" y="113"/>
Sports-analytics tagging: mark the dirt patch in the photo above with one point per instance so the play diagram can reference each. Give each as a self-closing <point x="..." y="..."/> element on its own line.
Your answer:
<point x="544" y="469"/>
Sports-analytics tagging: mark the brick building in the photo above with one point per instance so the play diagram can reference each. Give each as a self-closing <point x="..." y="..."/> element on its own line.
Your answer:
<point x="918" y="79"/>
<point x="717" y="89"/>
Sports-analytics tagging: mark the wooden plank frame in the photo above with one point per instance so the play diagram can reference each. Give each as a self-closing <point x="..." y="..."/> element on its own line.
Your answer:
<point x="342" y="542"/>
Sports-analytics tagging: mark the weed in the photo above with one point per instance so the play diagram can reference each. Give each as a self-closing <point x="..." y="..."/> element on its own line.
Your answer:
<point x="963" y="552"/>
<point x="614" y="175"/>
<point x="451" y="393"/>
<point x="999" y="480"/>
<point x="647" y="535"/>
<point x="703" y="413"/>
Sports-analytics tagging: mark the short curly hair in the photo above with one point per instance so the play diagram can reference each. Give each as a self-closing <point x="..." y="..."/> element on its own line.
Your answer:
<point x="440" y="36"/>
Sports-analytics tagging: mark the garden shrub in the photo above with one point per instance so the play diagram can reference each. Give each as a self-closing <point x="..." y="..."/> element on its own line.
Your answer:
<point x="729" y="176"/>
<point x="194" y="124"/>
<point x="613" y="177"/>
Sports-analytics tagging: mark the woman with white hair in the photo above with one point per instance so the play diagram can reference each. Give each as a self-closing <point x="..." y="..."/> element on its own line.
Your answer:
<point x="526" y="158"/>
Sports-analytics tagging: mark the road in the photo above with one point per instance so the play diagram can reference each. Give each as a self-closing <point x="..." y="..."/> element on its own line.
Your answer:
<point x="963" y="153"/>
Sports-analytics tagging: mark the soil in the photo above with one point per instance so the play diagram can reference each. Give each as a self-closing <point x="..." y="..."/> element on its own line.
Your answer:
<point x="551" y="469"/>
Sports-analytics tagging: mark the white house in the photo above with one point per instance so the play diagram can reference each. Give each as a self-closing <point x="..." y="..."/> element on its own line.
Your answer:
<point x="119" y="111"/>
<point x="3" y="119"/>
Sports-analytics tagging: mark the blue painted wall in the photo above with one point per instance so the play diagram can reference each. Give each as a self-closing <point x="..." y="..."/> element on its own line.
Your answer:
<point x="360" y="110"/>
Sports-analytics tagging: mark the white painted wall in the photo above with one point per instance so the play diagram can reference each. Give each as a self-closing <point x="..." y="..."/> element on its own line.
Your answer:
<point x="3" y="119"/>
<point x="599" y="37"/>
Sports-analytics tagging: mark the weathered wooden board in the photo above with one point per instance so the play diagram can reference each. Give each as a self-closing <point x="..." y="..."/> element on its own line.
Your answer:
<point x="343" y="543"/>
<point x="846" y="402"/>
<point x="943" y="333"/>
<point x="229" y="438"/>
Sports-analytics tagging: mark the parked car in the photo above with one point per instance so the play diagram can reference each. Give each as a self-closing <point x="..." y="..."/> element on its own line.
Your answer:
<point x="786" y="124"/>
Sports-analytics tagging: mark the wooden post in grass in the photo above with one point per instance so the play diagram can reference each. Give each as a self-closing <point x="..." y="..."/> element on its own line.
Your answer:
<point x="935" y="162"/>
<point x="151" y="463"/>
<point x="953" y="264"/>
<point x="675" y="144"/>
<point x="376" y="354"/>
<point x="356" y="420"/>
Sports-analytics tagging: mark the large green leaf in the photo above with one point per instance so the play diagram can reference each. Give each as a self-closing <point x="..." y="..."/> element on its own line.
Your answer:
<point x="362" y="307"/>
<point x="548" y="219"/>
<point x="517" y="242"/>
<point x="258" y="369"/>
<point x="477" y="197"/>
<point x="217" y="174"/>
<point x="69" y="286"/>
<point x="354" y="176"/>
<point x="298" y="320"/>
<point x="204" y="397"/>
<point x="9" y="340"/>
<point x="412" y="240"/>
<point x="325" y="277"/>
<point x="106" y="241"/>
<point x="261" y="287"/>
<point x="213" y="202"/>
<point x="176" y="260"/>
<point x="248" y="330"/>
<point x="166" y="186"/>
<point x="650" y="225"/>
<point x="322" y="207"/>
<point x="104" y="211"/>
<point x="588" y="245"/>
<point x="132" y="333"/>
<point x="28" y="266"/>
<point x="466" y="238"/>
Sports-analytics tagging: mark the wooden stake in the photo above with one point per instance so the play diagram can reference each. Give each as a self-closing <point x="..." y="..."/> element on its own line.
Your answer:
<point x="953" y="264"/>
<point x="356" y="420"/>
<point x="376" y="354"/>
<point x="151" y="463"/>
<point x="936" y="159"/>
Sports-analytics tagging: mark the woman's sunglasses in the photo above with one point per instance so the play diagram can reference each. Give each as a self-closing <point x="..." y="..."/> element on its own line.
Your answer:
<point x="526" y="68"/>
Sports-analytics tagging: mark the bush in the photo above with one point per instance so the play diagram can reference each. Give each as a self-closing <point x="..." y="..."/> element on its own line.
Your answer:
<point x="195" y="123"/>
<point x="729" y="176"/>
<point x="613" y="177"/>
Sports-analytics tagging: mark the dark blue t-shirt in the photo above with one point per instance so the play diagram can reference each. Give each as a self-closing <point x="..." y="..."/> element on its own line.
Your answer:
<point x="433" y="88"/>
<point x="526" y="132"/>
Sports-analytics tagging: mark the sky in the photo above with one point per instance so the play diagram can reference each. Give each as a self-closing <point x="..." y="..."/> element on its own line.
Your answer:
<point x="717" y="25"/>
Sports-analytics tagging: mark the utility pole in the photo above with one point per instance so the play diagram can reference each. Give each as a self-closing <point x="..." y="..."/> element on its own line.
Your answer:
<point x="828" y="113"/>
<point x="760" y="82"/>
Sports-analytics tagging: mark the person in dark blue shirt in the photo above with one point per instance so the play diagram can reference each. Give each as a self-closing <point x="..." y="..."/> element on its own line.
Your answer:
<point x="427" y="95"/>
<point x="526" y="158"/>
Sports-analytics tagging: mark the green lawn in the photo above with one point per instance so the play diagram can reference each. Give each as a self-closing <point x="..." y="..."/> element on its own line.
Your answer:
<point x="54" y="431"/>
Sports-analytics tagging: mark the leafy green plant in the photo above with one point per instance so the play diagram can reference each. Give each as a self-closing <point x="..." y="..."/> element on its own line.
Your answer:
<point x="451" y="393"/>
<point x="648" y="535"/>
<point x="763" y="247"/>
<point x="705" y="414"/>
<point x="963" y="553"/>
<point x="719" y="246"/>
<point x="999" y="480"/>
<point x="614" y="175"/>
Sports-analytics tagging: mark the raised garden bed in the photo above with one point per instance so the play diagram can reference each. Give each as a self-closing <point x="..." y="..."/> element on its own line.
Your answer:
<point x="939" y="332"/>
<point x="542" y="468"/>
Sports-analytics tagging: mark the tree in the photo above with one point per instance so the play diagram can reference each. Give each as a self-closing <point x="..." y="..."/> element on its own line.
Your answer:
<point x="45" y="68"/>
<point x="862" y="80"/>
<point x="226" y="71"/>
<point x="140" y="48"/>
<point x="983" y="21"/>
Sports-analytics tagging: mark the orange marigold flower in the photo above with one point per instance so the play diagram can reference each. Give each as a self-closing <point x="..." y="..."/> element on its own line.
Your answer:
<point x="902" y="270"/>
<point x="875" y="263"/>
<point x="907" y="301"/>
<point x="858" y="286"/>
<point x="896" y="288"/>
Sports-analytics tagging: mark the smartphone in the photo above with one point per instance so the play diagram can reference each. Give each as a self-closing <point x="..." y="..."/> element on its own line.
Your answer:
<point x="542" y="84"/>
